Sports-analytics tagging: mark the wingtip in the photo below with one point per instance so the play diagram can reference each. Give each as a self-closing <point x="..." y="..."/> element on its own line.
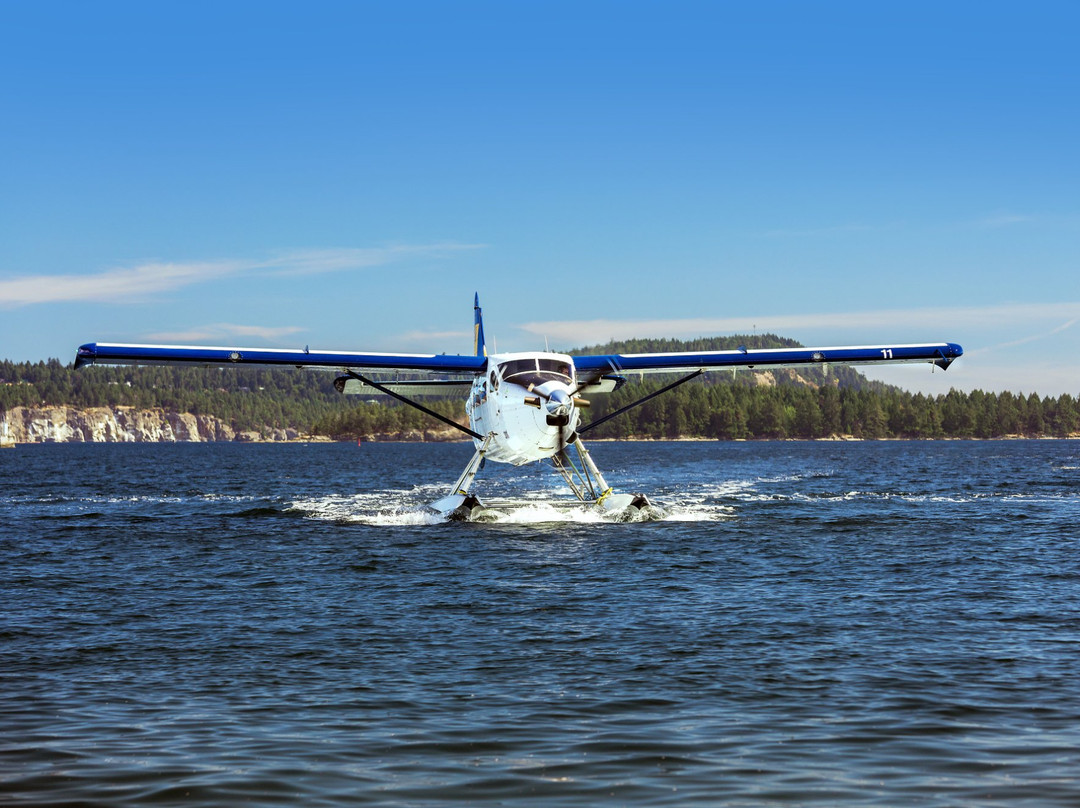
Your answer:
<point x="951" y="353"/>
<point x="85" y="355"/>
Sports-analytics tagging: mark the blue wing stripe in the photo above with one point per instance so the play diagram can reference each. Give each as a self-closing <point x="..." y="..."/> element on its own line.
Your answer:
<point x="117" y="354"/>
<point x="940" y="353"/>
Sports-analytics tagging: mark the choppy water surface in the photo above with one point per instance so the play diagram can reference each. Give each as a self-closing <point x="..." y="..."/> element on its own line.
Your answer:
<point x="812" y="624"/>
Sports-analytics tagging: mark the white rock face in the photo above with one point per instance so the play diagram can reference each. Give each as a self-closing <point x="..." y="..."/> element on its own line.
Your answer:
<point x="119" y="425"/>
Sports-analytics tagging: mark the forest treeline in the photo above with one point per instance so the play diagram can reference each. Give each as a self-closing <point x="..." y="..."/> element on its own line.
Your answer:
<point x="811" y="403"/>
<point x="737" y="411"/>
<point x="247" y="398"/>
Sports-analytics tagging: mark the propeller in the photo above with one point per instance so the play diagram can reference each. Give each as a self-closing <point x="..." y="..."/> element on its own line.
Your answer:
<point x="561" y="415"/>
<point x="572" y="395"/>
<point x="559" y="406"/>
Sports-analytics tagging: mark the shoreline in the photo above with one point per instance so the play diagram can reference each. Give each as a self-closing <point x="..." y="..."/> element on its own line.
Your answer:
<point x="322" y="439"/>
<point x="28" y="426"/>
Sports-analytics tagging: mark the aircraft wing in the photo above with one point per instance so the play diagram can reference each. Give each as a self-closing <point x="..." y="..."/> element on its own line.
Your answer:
<point x="107" y="353"/>
<point x="941" y="354"/>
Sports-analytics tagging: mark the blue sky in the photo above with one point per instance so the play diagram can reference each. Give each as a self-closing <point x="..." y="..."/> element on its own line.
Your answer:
<point x="346" y="175"/>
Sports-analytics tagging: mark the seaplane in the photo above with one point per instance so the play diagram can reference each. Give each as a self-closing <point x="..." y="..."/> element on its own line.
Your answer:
<point x="522" y="407"/>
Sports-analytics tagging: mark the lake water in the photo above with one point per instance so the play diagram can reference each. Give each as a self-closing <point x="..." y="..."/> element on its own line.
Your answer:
<point x="811" y="624"/>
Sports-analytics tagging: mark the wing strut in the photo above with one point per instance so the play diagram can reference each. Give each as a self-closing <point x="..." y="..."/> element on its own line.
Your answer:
<point x="621" y="410"/>
<point x="412" y="403"/>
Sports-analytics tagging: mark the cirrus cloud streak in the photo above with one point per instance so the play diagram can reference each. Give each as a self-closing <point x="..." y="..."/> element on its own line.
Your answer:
<point x="219" y="331"/>
<point x="943" y="321"/>
<point x="137" y="283"/>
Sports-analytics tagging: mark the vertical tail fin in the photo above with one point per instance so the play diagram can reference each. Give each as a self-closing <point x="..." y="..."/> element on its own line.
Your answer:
<point x="479" y="349"/>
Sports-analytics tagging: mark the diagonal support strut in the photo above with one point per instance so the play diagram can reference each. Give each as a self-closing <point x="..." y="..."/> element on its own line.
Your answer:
<point x="621" y="410"/>
<point x="412" y="403"/>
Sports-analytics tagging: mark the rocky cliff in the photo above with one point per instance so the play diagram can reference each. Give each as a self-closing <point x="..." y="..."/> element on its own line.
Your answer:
<point x="121" y="425"/>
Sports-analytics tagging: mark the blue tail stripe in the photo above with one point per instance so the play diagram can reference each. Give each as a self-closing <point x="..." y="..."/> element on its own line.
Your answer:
<point x="479" y="348"/>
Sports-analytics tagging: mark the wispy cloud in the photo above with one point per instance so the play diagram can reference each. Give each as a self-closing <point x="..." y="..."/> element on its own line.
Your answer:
<point x="115" y="285"/>
<point x="938" y="319"/>
<point x="137" y="283"/>
<point x="310" y="262"/>
<point x="226" y="331"/>
<point x="432" y="338"/>
<point x="1027" y="339"/>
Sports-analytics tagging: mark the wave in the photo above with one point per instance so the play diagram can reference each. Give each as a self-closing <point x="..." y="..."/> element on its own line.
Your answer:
<point x="388" y="508"/>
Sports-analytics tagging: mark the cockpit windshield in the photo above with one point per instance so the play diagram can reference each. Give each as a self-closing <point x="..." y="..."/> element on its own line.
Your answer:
<point x="536" y="371"/>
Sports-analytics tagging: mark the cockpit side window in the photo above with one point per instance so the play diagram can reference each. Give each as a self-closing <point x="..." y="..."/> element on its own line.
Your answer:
<point x="559" y="369"/>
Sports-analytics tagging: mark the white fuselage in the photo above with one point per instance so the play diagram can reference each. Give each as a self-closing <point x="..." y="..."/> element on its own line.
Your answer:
<point x="524" y="401"/>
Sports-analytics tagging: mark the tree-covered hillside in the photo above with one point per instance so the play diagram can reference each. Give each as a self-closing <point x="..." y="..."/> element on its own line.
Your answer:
<point x="810" y="375"/>
<point x="247" y="398"/>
